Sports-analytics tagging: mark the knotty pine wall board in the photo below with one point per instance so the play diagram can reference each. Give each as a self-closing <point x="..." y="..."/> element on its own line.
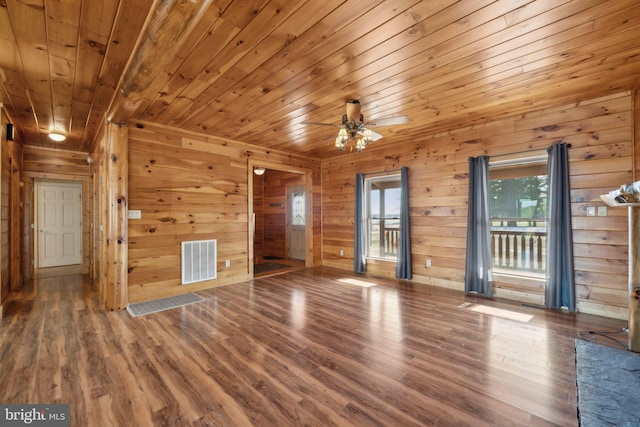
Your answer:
<point x="192" y="187"/>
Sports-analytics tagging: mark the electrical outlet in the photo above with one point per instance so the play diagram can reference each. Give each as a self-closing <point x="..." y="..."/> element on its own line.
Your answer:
<point x="227" y="263"/>
<point x="341" y="252"/>
<point x="602" y="211"/>
<point x="134" y="214"/>
<point x="428" y="263"/>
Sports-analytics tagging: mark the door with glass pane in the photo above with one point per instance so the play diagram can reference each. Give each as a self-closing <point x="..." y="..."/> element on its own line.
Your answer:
<point x="296" y="222"/>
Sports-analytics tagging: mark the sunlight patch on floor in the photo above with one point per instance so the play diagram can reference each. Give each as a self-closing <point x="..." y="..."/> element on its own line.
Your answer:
<point x="499" y="312"/>
<point x="357" y="282"/>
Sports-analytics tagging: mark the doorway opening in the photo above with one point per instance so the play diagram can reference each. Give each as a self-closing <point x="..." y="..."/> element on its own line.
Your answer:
<point x="280" y="235"/>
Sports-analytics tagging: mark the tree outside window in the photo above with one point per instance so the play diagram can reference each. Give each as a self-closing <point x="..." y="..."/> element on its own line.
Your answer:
<point x="518" y="210"/>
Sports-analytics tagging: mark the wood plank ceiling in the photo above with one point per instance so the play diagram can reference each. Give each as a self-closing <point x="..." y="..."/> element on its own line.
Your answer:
<point x="252" y="71"/>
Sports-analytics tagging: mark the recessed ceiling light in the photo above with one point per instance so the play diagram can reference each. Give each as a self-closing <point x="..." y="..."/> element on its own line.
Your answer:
<point x="57" y="137"/>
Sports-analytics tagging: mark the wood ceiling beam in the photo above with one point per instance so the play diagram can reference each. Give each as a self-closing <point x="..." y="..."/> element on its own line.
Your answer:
<point x="169" y="24"/>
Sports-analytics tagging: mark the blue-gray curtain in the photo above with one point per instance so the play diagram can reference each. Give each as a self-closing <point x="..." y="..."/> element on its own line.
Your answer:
<point x="403" y="266"/>
<point x="560" y="288"/>
<point x="359" y="253"/>
<point x="478" y="275"/>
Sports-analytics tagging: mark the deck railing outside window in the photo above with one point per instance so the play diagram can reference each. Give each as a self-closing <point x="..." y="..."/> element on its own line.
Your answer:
<point x="384" y="238"/>
<point x="519" y="244"/>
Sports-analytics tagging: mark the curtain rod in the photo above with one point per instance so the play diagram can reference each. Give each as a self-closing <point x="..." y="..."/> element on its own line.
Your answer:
<point x="522" y="152"/>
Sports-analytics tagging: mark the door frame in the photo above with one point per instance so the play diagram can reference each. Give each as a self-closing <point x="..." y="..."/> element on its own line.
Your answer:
<point x="308" y="188"/>
<point x="30" y="214"/>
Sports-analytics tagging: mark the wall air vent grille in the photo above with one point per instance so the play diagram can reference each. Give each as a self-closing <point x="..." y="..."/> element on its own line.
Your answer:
<point x="199" y="260"/>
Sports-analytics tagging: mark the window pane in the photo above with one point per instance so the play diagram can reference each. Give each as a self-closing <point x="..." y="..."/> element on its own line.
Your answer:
<point x="524" y="197"/>
<point x="374" y="203"/>
<point x="518" y="208"/>
<point x="383" y="212"/>
<point x="298" y="208"/>
<point x="392" y="202"/>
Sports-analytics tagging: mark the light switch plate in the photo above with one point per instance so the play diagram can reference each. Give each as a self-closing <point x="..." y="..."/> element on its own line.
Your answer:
<point x="591" y="211"/>
<point x="134" y="214"/>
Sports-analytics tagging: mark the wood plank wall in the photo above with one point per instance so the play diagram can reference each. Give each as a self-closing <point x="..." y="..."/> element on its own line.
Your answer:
<point x="636" y="131"/>
<point x="10" y="199"/>
<point x="192" y="187"/>
<point x="600" y="132"/>
<point x="99" y="213"/>
<point x="275" y="210"/>
<point x="94" y="160"/>
<point x="114" y="226"/>
<point x="5" y="218"/>
<point x="51" y="164"/>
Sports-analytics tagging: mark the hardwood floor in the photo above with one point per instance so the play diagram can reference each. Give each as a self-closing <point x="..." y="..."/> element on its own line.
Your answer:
<point x="67" y="270"/>
<point x="313" y="347"/>
<point x="289" y="265"/>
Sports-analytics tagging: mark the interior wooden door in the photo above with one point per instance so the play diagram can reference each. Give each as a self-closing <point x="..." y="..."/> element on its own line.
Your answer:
<point x="59" y="223"/>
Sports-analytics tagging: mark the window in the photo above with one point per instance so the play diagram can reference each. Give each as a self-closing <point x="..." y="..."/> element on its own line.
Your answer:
<point x="298" y="213"/>
<point x="518" y="210"/>
<point x="382" y="216"/>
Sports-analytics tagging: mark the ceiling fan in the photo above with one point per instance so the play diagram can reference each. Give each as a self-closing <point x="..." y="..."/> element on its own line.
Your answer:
<point x="354" y="127"/>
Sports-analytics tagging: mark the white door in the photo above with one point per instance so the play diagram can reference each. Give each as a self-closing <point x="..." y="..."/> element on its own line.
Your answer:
<point x="59" y="223"/>
<point x="296" y="214"/>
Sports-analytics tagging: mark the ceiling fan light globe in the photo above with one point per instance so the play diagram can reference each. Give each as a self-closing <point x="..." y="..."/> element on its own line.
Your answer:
<point x="341" y="140"/>
<point x="367" y="136"/>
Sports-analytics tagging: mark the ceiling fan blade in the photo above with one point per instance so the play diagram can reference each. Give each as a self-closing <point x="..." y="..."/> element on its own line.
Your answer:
<point x="320" y="124"/>
<point x="389" y="121"/>
<point x="376" y="135"/>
